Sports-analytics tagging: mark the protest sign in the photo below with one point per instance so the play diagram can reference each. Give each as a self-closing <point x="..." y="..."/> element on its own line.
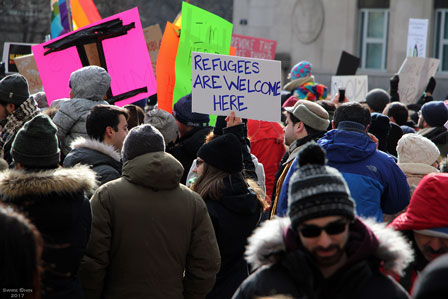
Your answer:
<point x="12" y="51"/>
<point x="153" y="37"/>
<point x="201" y="31"/>
<point x="124" y="53"/>
<point x="414" y="74"/>
<point x="27" y="68"/>
<point x="355" y="87"/>
<point x="165" y="68"/>
<point x="249" y="87"/>
<point x="348" y="64"/>
<point x="417" y="35"/>
<point x="248" y="46"/>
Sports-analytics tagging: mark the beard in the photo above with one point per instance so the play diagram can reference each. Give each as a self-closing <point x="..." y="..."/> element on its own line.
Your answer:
<point x="327" y="260"/>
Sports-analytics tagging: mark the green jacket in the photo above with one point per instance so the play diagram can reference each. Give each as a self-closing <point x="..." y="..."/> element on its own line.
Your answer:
<point x="151" y="236"/>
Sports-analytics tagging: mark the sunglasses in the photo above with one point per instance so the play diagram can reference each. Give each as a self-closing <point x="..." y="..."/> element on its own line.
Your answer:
<point x="333" y="228"/>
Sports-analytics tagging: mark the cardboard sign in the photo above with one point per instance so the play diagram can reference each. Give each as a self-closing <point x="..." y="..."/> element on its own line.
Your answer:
<point x="355" y="87"/>
<point x="201" y="31"/>
<point x="415" y="73"/>
<point x="126" y="57"/>
<point x="248" y="46"/>
<point x="417" y="34"/>
<point x="153" y="37"/>
<point x="348" y="64"/>
<point x="12" y="51"/>
<point x="249" y="87"/>
<point x="165" y="69"/>
<point x="27" y="68"/>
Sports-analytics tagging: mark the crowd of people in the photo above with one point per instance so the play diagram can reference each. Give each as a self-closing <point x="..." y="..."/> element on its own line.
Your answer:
<point x="341" y="199"/>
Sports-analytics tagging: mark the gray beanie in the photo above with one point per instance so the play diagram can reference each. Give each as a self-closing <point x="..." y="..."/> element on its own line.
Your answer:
<point x="377" y="99"/>
<point x="311" y="114"/>
<point x="141" y="140"/>
<point x="90" y="82"/>
<point x="162" y="121"/>
<point x="14" y="89"/>
<point x="317" y="190"/>
<point x="36" y="144"/>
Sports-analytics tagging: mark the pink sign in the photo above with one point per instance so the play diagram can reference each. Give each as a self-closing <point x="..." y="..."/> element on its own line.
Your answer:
<point x="254" y="47"/>
<point x="127" y="60"/>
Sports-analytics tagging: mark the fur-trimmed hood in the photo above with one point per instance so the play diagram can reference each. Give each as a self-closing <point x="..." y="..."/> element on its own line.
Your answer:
<point x="17" y="183"/>
<point x="267" y="242"/>
<point x="98" y="146"/>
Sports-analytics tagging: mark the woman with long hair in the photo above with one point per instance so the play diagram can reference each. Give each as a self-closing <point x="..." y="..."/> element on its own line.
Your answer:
<point x="20" y="256"/>
<point x="227" y="183"/>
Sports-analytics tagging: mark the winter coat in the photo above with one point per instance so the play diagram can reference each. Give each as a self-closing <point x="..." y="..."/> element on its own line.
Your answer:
<point x="186" y="148"/>
<point x="71" y="120"/>
<point x="151" y="236"/>
<point x="102" y="158"/>
<point x="432" y="282"/>
<point x="55" y="201"/>
<point x="415" y="172"/>
<point x="286" y="268"/>
<point x="375" y="181"/>
<point x="438" y="135"/>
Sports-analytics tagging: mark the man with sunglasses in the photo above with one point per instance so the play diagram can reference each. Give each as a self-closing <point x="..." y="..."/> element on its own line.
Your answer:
<point x="322" y="249"/>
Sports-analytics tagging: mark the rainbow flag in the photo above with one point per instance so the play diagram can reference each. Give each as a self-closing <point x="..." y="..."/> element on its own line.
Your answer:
<point x="84" y="12"/>
<point x="60" y="19"/>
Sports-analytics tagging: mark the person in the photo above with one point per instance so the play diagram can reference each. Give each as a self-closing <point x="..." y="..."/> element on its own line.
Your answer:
<point x="432" y="118"/>
<point x="192" y="129"/>
<point x="302" y="85"/>
<point x="106" y="126"/>
<point x="151" y="236"/>
<point x="376" y="182"/>
<point x="305" y="121"/>
<point x="417" y="156"/>
<point x="380" y="126"/>
<point x="21" y="250"/>
<point x="88" y="89"/>
<point x="425" y="224"/>
<point x="55" y="201"/>
<point x="136" y="115"/>
<point x="16" y="108"/>
<point x="399" y="114"/>
<point x="431" y="283"/>
<point x="322" y="249"/>
<point x="232" y="201"/>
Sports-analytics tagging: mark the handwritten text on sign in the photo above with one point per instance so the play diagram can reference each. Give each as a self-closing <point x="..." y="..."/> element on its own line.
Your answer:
<point x="249" y="87"/>
<point x="248" y="46"/>
<point x="355" y="87"/>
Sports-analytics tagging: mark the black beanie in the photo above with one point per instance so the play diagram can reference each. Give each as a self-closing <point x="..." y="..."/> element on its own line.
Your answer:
<point x="377" y="99"/>
<point x="142" y="140"/>
<point x="224" y="153"/>
<point x="36" y="144"/>
<point x="14" y="89"/>
<point x="317" y="190"/>
<point x="380" y="127"/>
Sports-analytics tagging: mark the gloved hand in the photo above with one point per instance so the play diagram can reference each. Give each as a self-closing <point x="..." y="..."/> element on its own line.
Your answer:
<point x="394" y="96"/>
<point x="431" y="86"/>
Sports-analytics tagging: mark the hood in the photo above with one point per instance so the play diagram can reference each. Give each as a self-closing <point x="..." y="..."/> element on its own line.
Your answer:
<point x="274" y="237"/>
<point x="158" y="171"/>
<point x="90" y="82"/>
<point x="98" y="146"/>
<point x="259" y="130"/>
<point x="347" y="146"/>
<point x="238" y="198"/>
<point x="17" y="183"/>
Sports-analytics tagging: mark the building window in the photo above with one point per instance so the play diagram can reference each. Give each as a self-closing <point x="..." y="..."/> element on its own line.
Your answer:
<point x="441" y="39"/>
<point x="373" y="38"/>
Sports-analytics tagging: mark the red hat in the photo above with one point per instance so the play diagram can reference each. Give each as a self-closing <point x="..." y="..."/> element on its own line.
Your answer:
<point x="428" y="207"/>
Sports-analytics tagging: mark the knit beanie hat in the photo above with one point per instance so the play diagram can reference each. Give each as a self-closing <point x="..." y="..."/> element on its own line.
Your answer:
<point x="14" y="89"/>
<point x="300" y="70"/>
<point x="141" y="140"/>
<point x="414" y="148"/>
<point x="311" y="91"/>
<point x="317" y="190"/>
<point x="224" y="153"/>
<point x="36" y="143"/>
<point x="162" y="121"/>
<point x="311" y="114"/>
<point x="380" y="127"/>
<point x="377" y="99"/>
<point x="435" y="113"/>
<point x="182" y="111"/>
<point x="90" y="82"/>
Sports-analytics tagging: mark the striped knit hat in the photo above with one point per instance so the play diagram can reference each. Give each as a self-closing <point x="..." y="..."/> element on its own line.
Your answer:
<point x="317" y="190"/>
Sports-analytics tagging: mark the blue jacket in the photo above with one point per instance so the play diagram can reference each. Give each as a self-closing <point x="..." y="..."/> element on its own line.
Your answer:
<point x="376" y="182"/>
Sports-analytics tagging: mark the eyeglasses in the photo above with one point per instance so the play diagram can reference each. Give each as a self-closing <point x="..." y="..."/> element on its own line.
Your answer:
<point x="314" y="231"/>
